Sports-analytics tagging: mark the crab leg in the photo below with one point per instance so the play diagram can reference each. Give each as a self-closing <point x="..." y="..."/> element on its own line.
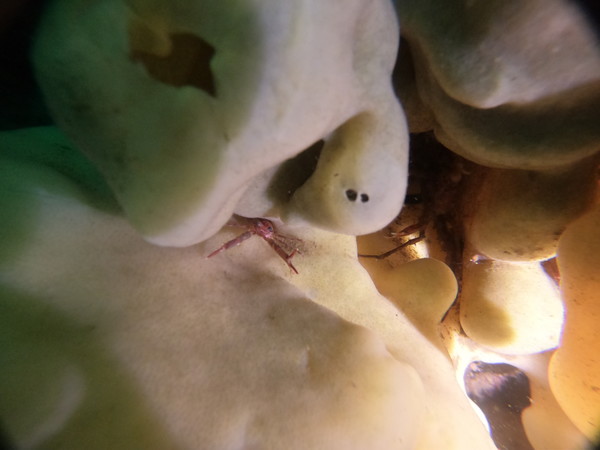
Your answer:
<point x="232" y="243"/>
<point x="281" y="252"/>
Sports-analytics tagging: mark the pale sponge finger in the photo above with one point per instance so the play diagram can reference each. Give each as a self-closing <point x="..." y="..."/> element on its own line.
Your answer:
<point x="520" y="214"/>
<point x="512" y="308"/>
<point x="575" y="367"/>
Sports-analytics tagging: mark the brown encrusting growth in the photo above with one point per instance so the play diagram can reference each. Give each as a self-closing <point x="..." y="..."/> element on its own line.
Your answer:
<point x="433" y="209"/>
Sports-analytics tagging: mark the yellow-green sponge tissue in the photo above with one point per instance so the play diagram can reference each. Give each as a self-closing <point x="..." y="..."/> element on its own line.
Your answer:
<point x="219" y="239"/>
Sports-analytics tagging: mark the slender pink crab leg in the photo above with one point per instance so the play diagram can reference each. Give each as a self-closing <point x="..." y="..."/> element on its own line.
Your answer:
<point x="232" y="243"/>
<point x="281" y="252"/>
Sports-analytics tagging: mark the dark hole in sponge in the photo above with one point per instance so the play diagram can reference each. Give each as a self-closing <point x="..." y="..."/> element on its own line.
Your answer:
<point x="188" y="63"/>
<point x="352" y="195"/>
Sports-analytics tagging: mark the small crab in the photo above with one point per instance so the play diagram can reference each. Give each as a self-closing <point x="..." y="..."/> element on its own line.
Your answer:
<point x="266" y="230"/>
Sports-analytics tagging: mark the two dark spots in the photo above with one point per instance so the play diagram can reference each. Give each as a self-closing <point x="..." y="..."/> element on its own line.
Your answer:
<point x="352" y="195"/>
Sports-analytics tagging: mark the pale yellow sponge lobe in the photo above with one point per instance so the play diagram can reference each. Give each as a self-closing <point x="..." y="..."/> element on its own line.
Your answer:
<point x="494" y="100"/>
<point x="520" y="214"/>
<point x="575" y="367"/>
<point x="511" y="308"/>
